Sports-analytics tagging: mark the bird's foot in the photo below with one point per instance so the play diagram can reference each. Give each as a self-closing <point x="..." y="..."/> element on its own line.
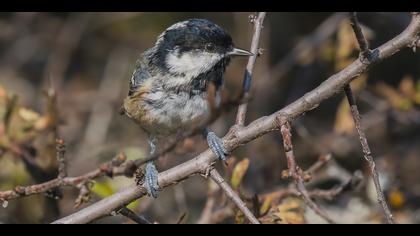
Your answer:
<point x="152" y="185"/>
<point x="216" y="145"/>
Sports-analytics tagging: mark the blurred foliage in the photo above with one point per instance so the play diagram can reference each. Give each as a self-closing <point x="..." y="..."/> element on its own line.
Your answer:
<point x="84" y="56"/>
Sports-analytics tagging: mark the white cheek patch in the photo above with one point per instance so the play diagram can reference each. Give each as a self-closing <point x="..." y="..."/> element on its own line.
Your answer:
<point x="193" y="63"/>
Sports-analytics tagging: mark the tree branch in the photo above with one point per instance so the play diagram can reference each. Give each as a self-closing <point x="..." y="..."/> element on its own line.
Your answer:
<point x="231" y="194"/>
<point x="296" y="173"/>
<point x="259" y="127"/>
<point x="365" y="53"/>
<point x="61" y="150"/>
<point x="23" y="191"/>
<point x="258" y="25"/>
<point x="363" y="43"/>
<point x="133" y="216"/>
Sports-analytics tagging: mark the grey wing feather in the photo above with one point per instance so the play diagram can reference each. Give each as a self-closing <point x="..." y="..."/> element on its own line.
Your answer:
<point x="140" y="75"/>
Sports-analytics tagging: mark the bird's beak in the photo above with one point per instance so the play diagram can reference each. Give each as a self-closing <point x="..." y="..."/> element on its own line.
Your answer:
<point x="239" y="52"/>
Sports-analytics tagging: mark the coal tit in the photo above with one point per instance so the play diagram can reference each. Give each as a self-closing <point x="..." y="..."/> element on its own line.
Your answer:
<point x="168" y="89"/>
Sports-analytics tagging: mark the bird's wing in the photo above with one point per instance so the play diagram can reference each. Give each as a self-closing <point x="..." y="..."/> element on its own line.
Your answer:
<point x="140" y="75"/>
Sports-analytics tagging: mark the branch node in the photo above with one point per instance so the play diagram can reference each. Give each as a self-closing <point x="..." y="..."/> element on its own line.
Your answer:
<point x="85" y="194"/>
<point x="252" y="18"/>
<point x="139" y="177"/>
<point x="296" y="173"/>
<point x="260" y="51"/>
<point x="19" y="190"/>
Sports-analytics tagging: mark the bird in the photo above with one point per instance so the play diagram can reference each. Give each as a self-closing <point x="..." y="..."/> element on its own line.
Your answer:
<point x="169" y="86"/>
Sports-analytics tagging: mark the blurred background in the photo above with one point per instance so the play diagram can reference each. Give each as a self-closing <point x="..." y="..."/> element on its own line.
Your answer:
<point x="88" y="59"/>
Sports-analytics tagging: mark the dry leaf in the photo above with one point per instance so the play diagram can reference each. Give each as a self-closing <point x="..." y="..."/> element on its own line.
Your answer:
<point x="343" y="119"/>
<point x="396" y="99"/>
<point x="407" y="86"/>
<point x="28" y="115"/>
<point x="346" y="45"/>
<point x="290" y="211"/>
<point x="239" y="172"/>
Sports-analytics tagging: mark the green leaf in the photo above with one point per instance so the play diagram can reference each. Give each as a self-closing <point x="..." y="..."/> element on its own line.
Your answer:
<point x="133" y="205"/>
<point x="103" y="189"/>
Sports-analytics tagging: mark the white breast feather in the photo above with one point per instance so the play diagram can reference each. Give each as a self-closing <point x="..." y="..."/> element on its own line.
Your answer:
<point x="190" y="64"/>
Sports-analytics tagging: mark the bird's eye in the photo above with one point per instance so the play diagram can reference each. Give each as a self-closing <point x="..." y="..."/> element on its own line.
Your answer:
<point x="210" y="47"/>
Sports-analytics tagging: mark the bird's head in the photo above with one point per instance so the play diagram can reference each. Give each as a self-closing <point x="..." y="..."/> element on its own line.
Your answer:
<point x="192" y="47"/>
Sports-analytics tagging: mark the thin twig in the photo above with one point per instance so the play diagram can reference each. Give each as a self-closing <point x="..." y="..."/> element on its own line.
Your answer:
<point x="352" y="183"/>
<point x="256" y="129"/>
<point x="23" y="191"/>
<point x="322" y="160"/>
<point x="258" y="25"/>
<point x="133" y="216"/>
<point x="61" y="150"/>
<point x="363" y="43"/>
<point x="357" y="120"/>
<point x="295" y="173"/>
<point x="368" y="154"/>
<point x="232" y="195"/>
<point x="181" y="218"/>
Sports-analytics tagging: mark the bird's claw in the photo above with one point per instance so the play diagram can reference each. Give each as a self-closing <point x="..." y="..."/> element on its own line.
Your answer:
<point x="216" y="145"/>
<point x="152" y="185"/>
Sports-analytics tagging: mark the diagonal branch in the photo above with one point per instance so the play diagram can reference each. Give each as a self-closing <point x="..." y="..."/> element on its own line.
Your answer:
<point x="232" y="195"/>
<point x="139" y="219"/>
<point x="257" y="128"/>
<point x="365" y="52"/>
<point x="296" y="173"/>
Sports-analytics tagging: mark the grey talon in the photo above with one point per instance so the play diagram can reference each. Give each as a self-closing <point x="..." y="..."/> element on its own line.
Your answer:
<point x="216" y="145"/>
<point x="152" y="185"/>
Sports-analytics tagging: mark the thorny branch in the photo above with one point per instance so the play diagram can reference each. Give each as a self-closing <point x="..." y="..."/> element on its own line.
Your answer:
<point x="257" y="128"/>
<point x="365" y="53"/>
<point x="295" y="172"/>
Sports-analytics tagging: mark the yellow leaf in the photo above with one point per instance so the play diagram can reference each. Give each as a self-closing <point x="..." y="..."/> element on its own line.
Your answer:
<point x="239" y="172"/>
<point x="346" y="45"/>
<point x="343" y="119"/>
<point x="2" y="92"/>
<point x="42" y="123"/>
<point x="28" y="115"/>
<point x="133" y="205"/>
<point x="290" y="211"/>
<point x="103" y="189"/>
<point x="407" y="86"/>
<point x="239" y="217"/>
<point x="396" y="99"/>
<point x="396" y="198"/>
